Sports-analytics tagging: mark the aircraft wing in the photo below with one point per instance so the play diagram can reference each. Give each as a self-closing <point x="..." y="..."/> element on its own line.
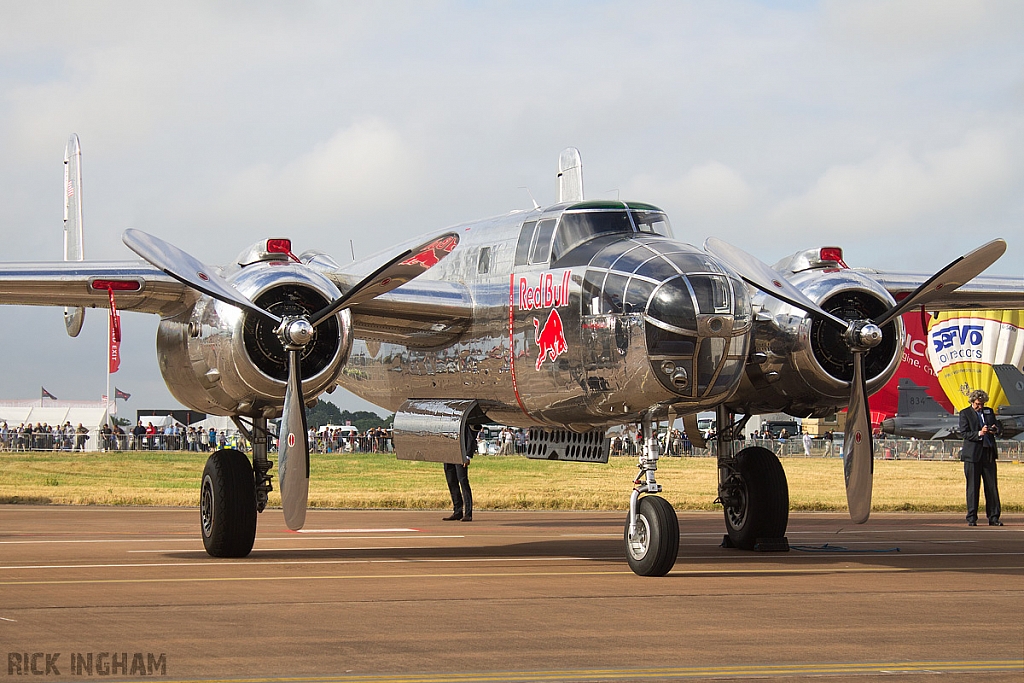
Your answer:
<point x="983" y="292"/>
<point x="420" y="314"/>
<point x="423" y="313"/>
<point x="138" y="286"/>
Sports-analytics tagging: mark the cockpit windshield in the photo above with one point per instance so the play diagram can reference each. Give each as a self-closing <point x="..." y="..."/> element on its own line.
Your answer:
<point x="580" y="223"/>
<point x="579" y="227"/>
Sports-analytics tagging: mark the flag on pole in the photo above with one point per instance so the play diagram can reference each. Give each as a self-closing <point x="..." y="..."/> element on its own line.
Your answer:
<point x="115" y="341"/>
<point x="47" y="394"/>
<point x="123" y="395"/>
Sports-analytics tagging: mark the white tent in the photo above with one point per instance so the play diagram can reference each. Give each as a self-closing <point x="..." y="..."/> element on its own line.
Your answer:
<point x="90" y="414"/>
<point x="221" y="423"/>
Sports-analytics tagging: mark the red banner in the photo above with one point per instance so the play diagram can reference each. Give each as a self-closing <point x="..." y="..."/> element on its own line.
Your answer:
<point x="114" y="325"/>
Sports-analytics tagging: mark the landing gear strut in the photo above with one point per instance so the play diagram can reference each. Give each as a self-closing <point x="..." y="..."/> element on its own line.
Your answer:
<point x="652" y="528"/>
<point x="753" y="490"/>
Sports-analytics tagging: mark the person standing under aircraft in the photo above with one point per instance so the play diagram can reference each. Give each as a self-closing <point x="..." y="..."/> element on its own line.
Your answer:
<point x="458" y="480"/>
<point x="979" y="426"/>
<point x="808" y="440"/>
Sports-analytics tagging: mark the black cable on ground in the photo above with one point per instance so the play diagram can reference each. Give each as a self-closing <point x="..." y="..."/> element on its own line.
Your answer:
<point x="840" y="549"/>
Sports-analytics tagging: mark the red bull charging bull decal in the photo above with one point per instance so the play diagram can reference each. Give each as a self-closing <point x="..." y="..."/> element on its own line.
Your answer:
<point x="550" y="340"/>
<point x="428" y="258"/>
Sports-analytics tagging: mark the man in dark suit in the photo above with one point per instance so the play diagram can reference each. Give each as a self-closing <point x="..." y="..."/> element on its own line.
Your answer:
<point x="979" y="427"/>
<point x="458" y="478"/>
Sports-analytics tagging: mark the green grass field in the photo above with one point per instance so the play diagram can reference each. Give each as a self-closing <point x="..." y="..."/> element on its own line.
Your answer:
<point x="364" y="480"/>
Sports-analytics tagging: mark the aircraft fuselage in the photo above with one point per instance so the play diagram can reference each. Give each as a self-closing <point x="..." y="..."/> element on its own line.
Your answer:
<point x="587" y="334"/>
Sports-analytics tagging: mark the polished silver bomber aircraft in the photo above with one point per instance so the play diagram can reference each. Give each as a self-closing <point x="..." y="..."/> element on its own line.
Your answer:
<point x="564" y="320"/>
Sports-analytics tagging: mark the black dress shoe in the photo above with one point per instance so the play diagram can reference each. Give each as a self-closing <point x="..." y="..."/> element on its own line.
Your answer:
<point x="972" y="524"/>
<point x="452" y="518"/>
<point x="468" y="519"/>
<point x="994" y="522"/>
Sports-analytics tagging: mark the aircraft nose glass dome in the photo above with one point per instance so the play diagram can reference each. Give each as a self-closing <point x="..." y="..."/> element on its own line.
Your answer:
<point x="693" y="311"/>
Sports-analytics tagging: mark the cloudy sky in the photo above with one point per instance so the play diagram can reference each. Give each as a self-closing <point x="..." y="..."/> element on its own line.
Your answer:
<point x="893" y="129"/>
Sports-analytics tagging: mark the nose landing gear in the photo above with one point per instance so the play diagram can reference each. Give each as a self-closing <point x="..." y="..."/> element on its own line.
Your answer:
<point x="652" y="529"/>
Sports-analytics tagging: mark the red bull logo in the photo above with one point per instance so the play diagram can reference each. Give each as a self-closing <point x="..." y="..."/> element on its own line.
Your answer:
<point x="428" y="258"/>
<point x="547" y="294"/>
<point x="550" y="340"/>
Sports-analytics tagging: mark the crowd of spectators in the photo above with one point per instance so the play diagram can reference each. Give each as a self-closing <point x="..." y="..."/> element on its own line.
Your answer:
<point x="65" y="437"/>
<point x="43" y="437"/>
<point x="348" y="440"/>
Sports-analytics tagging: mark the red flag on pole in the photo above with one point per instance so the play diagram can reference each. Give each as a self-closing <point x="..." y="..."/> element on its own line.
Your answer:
<point x="114" y="320"/>
<point x="115" y="342"/>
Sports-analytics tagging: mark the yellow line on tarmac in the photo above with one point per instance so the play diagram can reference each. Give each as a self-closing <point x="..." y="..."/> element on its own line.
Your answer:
<point x="470" y="575"/>
<point x="691" y="672"/>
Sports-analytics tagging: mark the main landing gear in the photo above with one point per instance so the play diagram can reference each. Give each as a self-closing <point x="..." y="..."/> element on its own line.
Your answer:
<point x="652" y="528"/>
<point x="753" y="490"/>
<point x="232" y="492"/>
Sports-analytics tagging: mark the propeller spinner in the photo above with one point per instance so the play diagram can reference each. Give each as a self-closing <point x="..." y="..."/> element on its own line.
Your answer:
<point x="860" y="336"/>
<point x="295" y="333"/>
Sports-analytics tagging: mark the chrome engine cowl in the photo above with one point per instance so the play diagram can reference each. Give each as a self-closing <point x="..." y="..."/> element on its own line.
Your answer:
<point x="221" y="360"/>
<point x="803" y="366"/>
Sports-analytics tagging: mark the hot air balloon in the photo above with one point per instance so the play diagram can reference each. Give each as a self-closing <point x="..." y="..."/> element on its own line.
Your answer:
<point x="964" y="345"/>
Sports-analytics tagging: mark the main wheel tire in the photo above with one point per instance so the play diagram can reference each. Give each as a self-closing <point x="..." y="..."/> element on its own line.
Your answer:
<point x="653" y="550"/>
<point x="764" y="492"/>
<point x="227" y="504"/>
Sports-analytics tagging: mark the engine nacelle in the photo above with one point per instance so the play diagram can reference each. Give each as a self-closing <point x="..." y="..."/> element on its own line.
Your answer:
<point x="221" y="360"/>
<point x="803" y="366"/>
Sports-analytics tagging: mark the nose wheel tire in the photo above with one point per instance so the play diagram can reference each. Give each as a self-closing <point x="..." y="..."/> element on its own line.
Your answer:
<point x="653" y="548"/>
<point x="762" y="510"/>
<point x="227" y="504"/>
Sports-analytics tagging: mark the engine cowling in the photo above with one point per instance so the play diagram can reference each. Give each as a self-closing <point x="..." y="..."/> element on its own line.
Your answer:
<point x="221" y="360"/>
<point x="802" y="366"/>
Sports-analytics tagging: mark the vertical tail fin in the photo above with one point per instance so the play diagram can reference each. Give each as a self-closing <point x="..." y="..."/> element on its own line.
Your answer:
<point x="570" y="176"/>
<point x="913" y="399"/>
<point x="1012" y="381"/>
<point x="73" y="247"/>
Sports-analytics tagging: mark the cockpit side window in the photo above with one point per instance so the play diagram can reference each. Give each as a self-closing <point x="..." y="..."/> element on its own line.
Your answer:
<point x="652" y="221"/>
<point x="542" y="241"/>
<point x="525" y="241"/>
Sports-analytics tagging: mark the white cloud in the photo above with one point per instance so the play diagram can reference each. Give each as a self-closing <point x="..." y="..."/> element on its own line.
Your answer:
<point x="712" y="191"/>
<point x="897" y="188"/>
<point x="362" y="166"/>
<point x="940" y="25"/>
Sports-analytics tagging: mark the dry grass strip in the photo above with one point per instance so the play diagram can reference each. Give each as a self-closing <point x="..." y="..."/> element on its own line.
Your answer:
<point x="346" y="480"/>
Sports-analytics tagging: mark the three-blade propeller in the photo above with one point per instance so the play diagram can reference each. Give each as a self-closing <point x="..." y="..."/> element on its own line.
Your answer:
<point x="860" y="336"/>
<point x="295" y="332"/>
